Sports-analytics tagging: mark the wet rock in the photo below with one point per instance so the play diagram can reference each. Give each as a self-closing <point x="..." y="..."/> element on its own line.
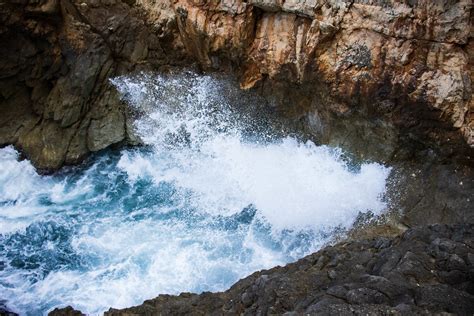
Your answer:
<point x="104" y="132"/>
<point x="430" y="193"/>
<point x="374" y="52"/>
<point x="4" y="311"/>
<point x="66" y="311"/>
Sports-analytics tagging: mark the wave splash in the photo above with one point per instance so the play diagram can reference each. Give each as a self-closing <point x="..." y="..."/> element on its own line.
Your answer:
<point x="212" y="197"/>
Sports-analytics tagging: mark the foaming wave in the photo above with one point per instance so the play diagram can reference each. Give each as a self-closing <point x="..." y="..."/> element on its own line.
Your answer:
<point x="16" y="176"/>
<point x="213" y="197"/>
<point x="291" y="184"/>
<point x="200" y="146"/>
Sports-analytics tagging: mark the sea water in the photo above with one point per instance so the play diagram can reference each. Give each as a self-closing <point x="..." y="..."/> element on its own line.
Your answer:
<point x="213" y="195"/>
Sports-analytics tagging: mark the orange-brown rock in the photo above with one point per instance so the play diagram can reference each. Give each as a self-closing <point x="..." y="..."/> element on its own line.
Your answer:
<point x="405" y="67"/>
<point x="410" y="52"/>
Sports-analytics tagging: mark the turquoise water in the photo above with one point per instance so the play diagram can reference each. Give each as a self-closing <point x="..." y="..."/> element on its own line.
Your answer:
<point x="213" y="196"/>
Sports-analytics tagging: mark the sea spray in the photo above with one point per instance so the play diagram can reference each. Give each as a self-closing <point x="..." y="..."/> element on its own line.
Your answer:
<point x="213" y="196"/>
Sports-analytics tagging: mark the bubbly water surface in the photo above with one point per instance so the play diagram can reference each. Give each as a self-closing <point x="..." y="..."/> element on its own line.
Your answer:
<point x="213" y="197"/>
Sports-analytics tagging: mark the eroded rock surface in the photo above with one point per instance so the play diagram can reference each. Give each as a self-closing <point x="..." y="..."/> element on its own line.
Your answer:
<point x="389" y="55"/>
<point x="396" y="75"/>
<point x="427" y="270"/>
<point x="391" y="79"/>
<point x="56" y="102"/>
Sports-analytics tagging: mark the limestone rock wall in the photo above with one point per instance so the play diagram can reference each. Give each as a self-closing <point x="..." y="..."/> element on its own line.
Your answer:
<point x="379" y="74"/>
<point x="389" y="54"/>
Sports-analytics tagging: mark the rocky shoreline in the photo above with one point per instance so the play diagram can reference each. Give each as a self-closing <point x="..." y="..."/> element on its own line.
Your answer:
<point x="427" y="270"/>
<point x="389" y="81"/>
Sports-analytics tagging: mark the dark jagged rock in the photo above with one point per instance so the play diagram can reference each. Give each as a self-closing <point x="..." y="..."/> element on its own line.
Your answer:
<point x="66" y="311"/>
<point x="427" y="270"/>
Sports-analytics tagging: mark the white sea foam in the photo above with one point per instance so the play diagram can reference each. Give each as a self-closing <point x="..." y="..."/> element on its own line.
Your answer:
<point x="16" y="177"/>
<point x="293" y="185"/>
<point x="178" y="215"/>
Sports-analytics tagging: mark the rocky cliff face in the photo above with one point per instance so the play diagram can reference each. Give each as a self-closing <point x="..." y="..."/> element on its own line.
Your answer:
<point x="408" y="62"/>
<point x="388" y="77"/>
<point x="56" y="58"/>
